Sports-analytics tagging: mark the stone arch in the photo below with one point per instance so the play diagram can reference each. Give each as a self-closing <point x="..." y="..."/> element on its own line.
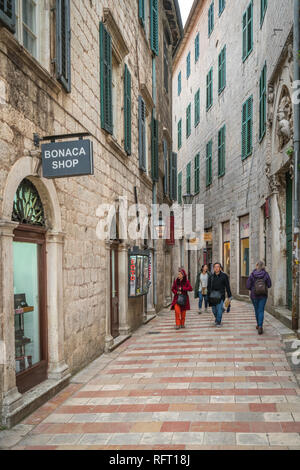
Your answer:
<point x="26" y="167"/>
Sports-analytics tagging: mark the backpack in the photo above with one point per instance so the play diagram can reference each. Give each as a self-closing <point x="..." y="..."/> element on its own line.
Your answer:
<point x="260" y="288"/>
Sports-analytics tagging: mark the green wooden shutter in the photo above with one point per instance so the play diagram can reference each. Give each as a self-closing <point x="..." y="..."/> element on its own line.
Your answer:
<point x="188" y="120"/>
<point x="211" y="18"/>
<point x="221" y="6"/>
<point x="179" y="83"/>
<point x="197" y="108"/>
<point x="8" y="14"/>
<point x="142" y="12"/>
<point x="63" y="43"/>
<point x="166" y="167"/>
<point x="248" y="31"/>
<point x="179" y="134"/>
<point x="188" y="65"/>
<point x="209" y="89"/>
<point x="263" y="103"/>
<point x="209" y="163"/>
<point x="197" y="174"/>
<point x="188" y="178"/>
<point x="263" y="9"/>
<point x="180" y="188"/>
<point x="142" y="133"/>
<point x="221" y="151"/>
<point x="154" y="28"/>
<point x="106" y="79"/>
<point x="154" y="149"/>
<point x="247" y="128"/>
<point x="127" y="111"/>
<point x="197" y="47"/>
<point x="173" y="177"/>
<point x="222" y="70"/>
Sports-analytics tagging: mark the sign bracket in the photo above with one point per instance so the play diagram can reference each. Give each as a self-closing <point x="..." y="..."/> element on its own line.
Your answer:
<point x="53" y="138"/>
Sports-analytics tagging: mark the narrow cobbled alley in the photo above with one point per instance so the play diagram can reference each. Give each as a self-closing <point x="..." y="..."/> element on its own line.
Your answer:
<point x="198" y="388"/>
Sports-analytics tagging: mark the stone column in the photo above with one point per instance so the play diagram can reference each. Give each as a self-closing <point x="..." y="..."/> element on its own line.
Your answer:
<point x="109" y="341"/>
<point x="57" y="368"/>
<point x="124" y="327"/>
<point x="12" y="399"/>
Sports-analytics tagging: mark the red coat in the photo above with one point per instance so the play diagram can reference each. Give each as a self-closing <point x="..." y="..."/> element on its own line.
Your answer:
<point x="185" y="286"/>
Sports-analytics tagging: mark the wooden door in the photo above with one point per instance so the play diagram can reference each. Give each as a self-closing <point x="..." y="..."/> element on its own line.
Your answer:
<point x="114" y="291"/>
<point x="29" y="239"/>
<point x="289" y="239"/>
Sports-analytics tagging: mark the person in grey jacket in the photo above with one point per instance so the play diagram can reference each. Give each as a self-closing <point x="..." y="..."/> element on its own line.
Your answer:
<point x="201" y="286"/>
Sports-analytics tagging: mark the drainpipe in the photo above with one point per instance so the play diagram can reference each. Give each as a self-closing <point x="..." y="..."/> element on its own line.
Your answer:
<point x="295" y="307"/>
<point x="154" y="193"/>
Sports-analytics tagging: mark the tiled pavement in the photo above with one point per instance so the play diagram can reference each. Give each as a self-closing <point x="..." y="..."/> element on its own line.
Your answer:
<point x="198" y="388"/>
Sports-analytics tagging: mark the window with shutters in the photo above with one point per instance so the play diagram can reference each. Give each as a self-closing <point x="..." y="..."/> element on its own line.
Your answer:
<point x="188" y="65"/>
<point x="154" y="26"/>
<point x="179" y="134"/>
<point x="188" y="178"/>
<point x="142" y="134"/>
<point x="31" y="24"/>
<point x="197" y="108"/>
<point x="127" y="111"/>
<point x="179" y="83"/>
<point x="8" y="14"/>
<point x="197" y="173"/>
<point x="221" y="151"/>
<point x="197" y="47"/>
<point x="221" y="6"/>
<point x="209" y="163"/>
<point x="209" y="89"/>
<point x="180" y="188"/>
<point x="173" y="176"/>
<point x="142" y="12"/>
<point x="211" y="18"/>
<point x="166" y="167"/>
<point x="263" y="103"/>
<point x="106" y="79"/>
<point x="154" y="149"/>
<point x="247" y="128"/>
<point x="248" y="31"/>
<point x="263" y="9"/>
<point x="222" y="70"/>
<point x="188" y="120"/>
<point x="166" y="66"/>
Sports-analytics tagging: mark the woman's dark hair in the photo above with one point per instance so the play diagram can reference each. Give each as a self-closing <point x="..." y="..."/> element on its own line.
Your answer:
<point x="204" y="267"/>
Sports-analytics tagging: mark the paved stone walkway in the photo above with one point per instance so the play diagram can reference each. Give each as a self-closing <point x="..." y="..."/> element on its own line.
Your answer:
<point x="198" y="388"/>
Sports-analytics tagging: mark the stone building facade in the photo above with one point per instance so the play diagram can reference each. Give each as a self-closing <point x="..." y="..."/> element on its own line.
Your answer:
<point x="243" y="136"/>
<point x="81" y="282"/>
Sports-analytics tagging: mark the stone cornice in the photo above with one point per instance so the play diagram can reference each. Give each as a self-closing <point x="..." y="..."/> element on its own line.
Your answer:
<point x="146" y="95"/>
<point x="119" y="46"/>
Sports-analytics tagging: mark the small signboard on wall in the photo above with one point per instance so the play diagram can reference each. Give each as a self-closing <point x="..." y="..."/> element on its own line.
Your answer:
<point x="66" y="159"/>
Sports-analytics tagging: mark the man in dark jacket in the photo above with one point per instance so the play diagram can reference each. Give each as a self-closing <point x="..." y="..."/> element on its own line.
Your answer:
<point x="219" y="283"/>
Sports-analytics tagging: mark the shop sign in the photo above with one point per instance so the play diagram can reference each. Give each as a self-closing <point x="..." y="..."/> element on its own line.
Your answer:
<point x="208" y="237"/>
<point x="139" y="274"/>
<point x="65" y="159"/>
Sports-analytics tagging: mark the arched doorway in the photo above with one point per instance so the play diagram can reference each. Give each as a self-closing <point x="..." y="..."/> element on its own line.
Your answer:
<point x="30" y="289"/>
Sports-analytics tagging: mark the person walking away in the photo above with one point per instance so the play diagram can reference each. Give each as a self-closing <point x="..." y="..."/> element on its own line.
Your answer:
<point x="201" y="287"/>
<point x="258" y="284"/>
<point x="181" y="303"/>
<point x="218" y="284"/>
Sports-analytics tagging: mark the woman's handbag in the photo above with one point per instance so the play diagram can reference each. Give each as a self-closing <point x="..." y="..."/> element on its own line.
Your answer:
<point x="181" y="300"/>
<point x="204" y="290"/>
<point x="215" y="297"/>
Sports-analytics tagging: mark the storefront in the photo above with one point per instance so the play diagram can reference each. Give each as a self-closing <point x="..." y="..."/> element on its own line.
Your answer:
<point x="207" y="252"/>
<point x="226" y="247"/>
<point x="244" y="253"/>
<point x="139" y="276"/>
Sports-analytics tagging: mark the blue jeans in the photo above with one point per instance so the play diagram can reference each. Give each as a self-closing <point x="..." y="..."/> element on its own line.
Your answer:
<point x="218" y="312"/>
<point x="259" y="307"/>
<point x="201" y="298"/>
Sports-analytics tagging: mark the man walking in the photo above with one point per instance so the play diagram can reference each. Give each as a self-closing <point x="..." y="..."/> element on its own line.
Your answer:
<point x="219" y="282"/>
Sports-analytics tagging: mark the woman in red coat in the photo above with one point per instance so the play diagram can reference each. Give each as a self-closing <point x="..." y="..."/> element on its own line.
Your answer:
<point x="181" y="285"/>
